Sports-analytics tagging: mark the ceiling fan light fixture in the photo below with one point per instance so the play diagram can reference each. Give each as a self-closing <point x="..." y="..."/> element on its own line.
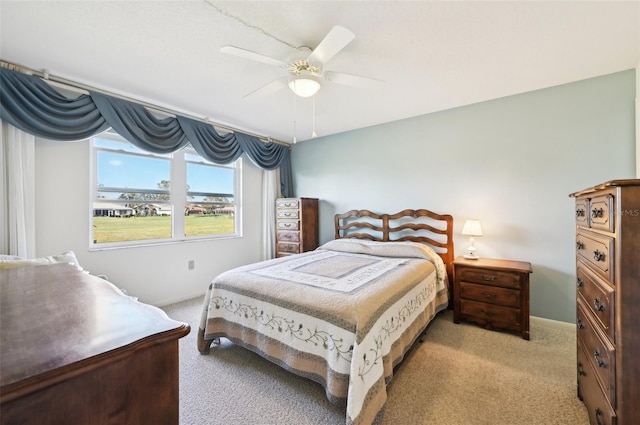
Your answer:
<point x="305" y="86"/>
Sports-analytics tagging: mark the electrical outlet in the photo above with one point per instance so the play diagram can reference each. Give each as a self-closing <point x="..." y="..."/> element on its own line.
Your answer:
<point x="192" y="264"/>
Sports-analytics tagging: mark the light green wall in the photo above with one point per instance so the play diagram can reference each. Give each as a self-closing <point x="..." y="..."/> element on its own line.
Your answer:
<point x="510" y="162"/>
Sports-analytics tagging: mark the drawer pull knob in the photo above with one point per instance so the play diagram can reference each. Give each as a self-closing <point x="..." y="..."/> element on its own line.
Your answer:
<point x="486" y="295"/>
<point x="597" y="305"/>
<point x="489" y="278"/>
<point x="579" y="245"/>
<point x="597" y="212"/>
<point x="579" y="323"/>
<point x="599" y="420"/>
<point x="579" y="283"/>
<point x="598" y="255"/>
<point x="581" y="371"/>
<point x="579" y="213"/>
<point x="596" y="356"/>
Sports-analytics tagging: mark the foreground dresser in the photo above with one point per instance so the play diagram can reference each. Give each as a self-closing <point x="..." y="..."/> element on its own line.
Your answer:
<point x="608" y="301"/>
<point x="75" y="350"/>
<point x="296" y="225"/>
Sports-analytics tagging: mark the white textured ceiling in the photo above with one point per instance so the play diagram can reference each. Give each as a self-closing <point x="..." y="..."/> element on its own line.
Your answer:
<point x="432" y="55"/>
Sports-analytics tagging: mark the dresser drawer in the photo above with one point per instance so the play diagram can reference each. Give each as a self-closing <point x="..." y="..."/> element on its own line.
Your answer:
<point x="599" y="298"/>
<point x="490" y="294"/>
<point x="288" y="247"/>
<point x="601" y="354"/>
<point x="582" y="211"/>
<point x="598" y="405"/>
<point x="601" y="212"/>
<point x="287" y="236"/>
<point x="287" y="203"/>
<point x="490" y="277"/>
<point x="597" y="252"/>
<point x="288" y="225"/>
<point x="288" y="214"/>
<point x="490" y="314"/>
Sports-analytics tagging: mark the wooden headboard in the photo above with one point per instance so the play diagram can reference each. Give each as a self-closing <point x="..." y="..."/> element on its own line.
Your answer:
<point x="422" y="226"/>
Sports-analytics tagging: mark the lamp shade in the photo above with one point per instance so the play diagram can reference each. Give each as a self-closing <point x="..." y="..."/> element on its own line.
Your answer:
<point x="304" y="86"/>
<point x="472" y="228"/>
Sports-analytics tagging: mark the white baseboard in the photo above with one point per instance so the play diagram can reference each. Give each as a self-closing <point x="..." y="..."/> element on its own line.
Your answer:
<point x="553" y="323"/>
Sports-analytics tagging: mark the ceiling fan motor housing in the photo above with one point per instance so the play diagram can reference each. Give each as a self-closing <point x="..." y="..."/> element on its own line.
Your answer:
<point x="299" y="64"/>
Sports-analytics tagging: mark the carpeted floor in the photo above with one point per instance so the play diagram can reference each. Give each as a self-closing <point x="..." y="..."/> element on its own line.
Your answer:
<point x="460" y="375"/>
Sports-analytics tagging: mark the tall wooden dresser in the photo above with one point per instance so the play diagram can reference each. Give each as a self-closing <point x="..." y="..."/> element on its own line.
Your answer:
<point x="296" y="225"/>
<point x="608" y="301"/>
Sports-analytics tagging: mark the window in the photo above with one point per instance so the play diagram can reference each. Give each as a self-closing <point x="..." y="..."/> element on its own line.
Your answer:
<point x="140" y="197"/>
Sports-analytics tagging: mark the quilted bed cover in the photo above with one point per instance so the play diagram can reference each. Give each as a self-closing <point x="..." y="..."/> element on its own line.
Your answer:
<point x="343" y="315"/>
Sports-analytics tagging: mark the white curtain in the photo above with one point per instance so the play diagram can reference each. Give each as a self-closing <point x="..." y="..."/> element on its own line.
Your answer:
<point x="17" y="192"/>
<point x="270" y="192"/>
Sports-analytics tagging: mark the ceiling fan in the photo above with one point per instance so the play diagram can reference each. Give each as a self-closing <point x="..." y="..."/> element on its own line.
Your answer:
<point x="305" y="66"/>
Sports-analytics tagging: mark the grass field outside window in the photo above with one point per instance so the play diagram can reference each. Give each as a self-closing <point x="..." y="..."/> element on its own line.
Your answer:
<point x="118" y="229"/>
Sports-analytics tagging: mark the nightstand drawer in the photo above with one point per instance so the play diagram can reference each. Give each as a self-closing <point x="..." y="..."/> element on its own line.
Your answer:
<point x="490" y="277"/>
<point x="490" y="294"/>
<point x="493" y="315"/>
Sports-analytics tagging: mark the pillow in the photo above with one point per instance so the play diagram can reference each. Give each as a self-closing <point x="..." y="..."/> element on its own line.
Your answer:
<point x="68" y="257"/>
<point x="402" y="249"/>
<point x="10" y="257"/>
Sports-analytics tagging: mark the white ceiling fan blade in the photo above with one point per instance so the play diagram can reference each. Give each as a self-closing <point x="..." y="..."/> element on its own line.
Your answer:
<point x="336" y="40"/>
<point x="248" y="54"/>
<point x="269" y="89"/>
<point x="352" y="80"/>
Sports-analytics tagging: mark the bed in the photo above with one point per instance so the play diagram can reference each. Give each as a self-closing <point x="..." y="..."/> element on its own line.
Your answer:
<point x="345" y="314"/>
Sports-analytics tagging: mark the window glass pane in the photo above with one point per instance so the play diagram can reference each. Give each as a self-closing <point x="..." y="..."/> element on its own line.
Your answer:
<point x="210" y="208"/>
<point x="132" y="193"/>
<point x="209" y="183"/>
<point x="126" y="176"/>
<point x="117" y="222"/>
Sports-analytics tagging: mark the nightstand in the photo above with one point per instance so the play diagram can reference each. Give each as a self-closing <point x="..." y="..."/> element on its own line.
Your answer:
<point x="492" y="293"/>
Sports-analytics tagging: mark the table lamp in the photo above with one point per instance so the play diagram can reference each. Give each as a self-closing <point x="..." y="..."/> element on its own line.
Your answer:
<point x="472" y="228"/>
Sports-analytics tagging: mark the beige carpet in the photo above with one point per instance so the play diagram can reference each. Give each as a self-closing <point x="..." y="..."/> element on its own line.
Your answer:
<point x="460" y="375"/>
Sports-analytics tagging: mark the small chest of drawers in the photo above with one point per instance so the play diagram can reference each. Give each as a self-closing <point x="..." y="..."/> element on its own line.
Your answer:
<point x="492" y="293"/>
<point x="296" y="225"/>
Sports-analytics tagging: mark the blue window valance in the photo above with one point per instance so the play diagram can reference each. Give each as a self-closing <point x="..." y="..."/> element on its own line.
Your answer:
<point x="33" y="106"/>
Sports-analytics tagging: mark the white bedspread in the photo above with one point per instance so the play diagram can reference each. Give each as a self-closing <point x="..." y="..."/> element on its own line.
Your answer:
<point x="343" y="315"/>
